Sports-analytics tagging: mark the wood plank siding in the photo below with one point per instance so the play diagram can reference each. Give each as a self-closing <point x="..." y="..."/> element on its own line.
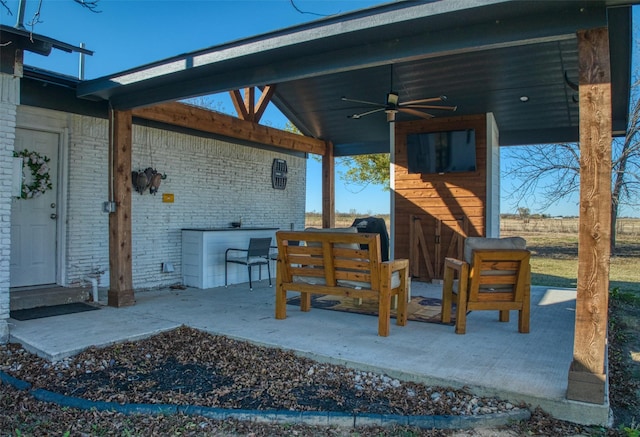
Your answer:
<point x="445" y="204"/>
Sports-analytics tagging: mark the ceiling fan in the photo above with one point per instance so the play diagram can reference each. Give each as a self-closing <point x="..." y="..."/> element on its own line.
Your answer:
<point x="393" y="106"/>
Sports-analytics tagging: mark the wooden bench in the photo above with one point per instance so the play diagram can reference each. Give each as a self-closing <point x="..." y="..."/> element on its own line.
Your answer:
<point x="333" y="263"/>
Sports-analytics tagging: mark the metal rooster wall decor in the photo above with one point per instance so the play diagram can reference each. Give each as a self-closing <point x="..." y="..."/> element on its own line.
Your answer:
<point x="148" y="178"/>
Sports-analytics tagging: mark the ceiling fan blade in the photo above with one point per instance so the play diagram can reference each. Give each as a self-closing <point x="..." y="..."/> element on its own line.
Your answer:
<point x="416" y="113"/>
<point x="442" y="108"/>
<point x="345" y="99"/>
<point x="429" y="100"/>
<point x="362" y="114"/>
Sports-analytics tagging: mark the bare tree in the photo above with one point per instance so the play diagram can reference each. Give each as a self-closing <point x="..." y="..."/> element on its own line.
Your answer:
<point x="626" y="169"/>
<point x="6" y="7"/>
<point x="92" y="5"/>
<point x="546" y="174"/>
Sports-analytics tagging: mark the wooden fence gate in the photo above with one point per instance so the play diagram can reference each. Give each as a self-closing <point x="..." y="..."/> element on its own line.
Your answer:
<point x="426" y="264"/>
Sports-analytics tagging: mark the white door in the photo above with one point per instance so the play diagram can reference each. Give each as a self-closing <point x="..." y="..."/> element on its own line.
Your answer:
<point x="33" y="221"/>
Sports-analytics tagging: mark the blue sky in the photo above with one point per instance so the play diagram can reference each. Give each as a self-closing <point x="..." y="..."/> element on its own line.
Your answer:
<point x="130" y="33"/>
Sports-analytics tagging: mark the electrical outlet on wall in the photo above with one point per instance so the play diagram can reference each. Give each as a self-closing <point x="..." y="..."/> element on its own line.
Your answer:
<point x="109" y="207"/>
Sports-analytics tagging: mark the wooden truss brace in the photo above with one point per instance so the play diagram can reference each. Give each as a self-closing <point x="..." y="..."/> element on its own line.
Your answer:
<point x="246" y="106"/>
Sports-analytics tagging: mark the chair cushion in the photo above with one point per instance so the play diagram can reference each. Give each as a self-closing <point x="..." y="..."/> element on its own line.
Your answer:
<point x="311" y="280"/>
<point x="316" y="280"/>
<point x="473" y="243"/>
<point x="395" y="282"/>
<point x="254" y="260"/>
<point x="351" y="230"/>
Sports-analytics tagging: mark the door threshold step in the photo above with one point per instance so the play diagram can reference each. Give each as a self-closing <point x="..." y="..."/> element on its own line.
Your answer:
<point x="31" y="297"/>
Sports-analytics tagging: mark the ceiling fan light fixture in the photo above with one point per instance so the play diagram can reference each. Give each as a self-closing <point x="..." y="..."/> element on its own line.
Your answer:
<point x="393" y="105"/>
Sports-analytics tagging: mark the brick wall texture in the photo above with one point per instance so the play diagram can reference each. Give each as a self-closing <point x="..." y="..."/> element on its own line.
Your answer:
<point x="214" y="183"/>
<point x="9" y="99"/>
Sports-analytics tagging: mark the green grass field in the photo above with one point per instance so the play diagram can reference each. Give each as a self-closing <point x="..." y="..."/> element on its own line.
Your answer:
<point x="554" y="247"/>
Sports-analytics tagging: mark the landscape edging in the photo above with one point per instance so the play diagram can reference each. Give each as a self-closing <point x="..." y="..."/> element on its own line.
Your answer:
<point x="313" y="418"/>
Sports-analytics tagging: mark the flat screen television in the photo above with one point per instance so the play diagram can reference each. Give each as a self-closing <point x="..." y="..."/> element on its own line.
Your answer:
<point x="442" y="152"/>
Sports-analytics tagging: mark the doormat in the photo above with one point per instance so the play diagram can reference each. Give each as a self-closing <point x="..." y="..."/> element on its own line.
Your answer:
<point x="50" y="311"/>
<point x="419" y="309"/>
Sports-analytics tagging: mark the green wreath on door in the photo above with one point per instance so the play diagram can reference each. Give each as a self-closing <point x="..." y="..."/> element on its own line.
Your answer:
<point x="40" y="177"/>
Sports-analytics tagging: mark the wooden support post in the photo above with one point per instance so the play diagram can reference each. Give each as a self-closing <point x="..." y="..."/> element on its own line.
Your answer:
<point x="328" y="188"/>
<point x="120" y="273"/>
<point x="587" y="375"/>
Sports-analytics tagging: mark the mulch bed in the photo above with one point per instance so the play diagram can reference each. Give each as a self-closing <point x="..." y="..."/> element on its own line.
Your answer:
<point x="188" y="367"/>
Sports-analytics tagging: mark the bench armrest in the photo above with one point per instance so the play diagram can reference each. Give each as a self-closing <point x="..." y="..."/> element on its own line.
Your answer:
<point x="226" y="252"/>
<point x="455" y="264"/>
<point x="397" y="264"/>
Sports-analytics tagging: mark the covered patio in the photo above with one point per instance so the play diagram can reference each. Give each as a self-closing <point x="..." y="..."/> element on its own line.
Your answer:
<point x="493" y="360"/>
<point x="541" y="72"/>
<point x="569" y="59"/>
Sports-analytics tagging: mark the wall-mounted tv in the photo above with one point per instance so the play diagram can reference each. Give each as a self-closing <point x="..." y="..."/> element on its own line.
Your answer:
<point x="442" y="152"/>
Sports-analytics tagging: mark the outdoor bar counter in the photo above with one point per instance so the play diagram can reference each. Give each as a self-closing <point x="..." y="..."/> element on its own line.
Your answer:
<point x="203" y="255"/>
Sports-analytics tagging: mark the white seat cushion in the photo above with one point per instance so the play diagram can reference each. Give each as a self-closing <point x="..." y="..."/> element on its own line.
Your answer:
<point x="395" y="282"/>
<point x="351" y="230"/>
<point x="319" y="280"/>
<point x="473" y="243"/>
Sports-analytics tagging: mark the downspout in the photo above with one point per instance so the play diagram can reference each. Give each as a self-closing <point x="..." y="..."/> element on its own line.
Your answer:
<point x="94" y="287"/>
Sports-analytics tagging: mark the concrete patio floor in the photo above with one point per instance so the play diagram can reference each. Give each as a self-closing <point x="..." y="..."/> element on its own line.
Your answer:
<point x="492" y="358"/>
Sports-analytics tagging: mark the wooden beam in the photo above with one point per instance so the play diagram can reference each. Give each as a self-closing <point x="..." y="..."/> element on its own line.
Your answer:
<point x="192" y="117"/>
<point x="328" y="188"/>
<point x="238" y="103"/>
<point x="120" y="272"/>
<point x="587" y="375"/>
<point x="246" y="106"/>
<point x="263" y="102"/>
<point x="250" y="103"/>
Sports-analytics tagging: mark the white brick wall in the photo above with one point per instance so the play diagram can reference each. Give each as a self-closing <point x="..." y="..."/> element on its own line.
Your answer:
<point x="9" y="99"/>
<point x="87" y="226"/>
<point x="214" y="183"/>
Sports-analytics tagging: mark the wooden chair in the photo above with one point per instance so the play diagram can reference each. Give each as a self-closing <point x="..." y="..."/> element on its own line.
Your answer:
<point x="495" y="275"/>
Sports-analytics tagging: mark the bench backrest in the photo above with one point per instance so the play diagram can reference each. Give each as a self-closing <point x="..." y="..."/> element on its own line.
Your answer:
<point x="330" y="257"/>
